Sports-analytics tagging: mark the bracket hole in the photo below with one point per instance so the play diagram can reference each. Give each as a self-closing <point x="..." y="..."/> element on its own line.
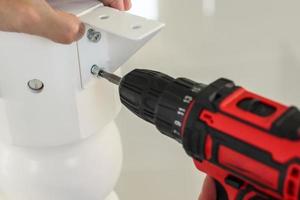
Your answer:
<point x="103" y="17"/>
<point x="136" y="27"/>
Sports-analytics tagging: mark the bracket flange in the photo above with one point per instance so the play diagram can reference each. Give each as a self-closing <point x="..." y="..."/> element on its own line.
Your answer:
<point x="122" y="34"/>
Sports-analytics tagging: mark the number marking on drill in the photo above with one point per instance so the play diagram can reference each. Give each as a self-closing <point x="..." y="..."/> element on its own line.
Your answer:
<point x="177" y="123"/>
<point x="176" y="132"/>
<point x="181" y="111"/>
<point x="188" y="99"/>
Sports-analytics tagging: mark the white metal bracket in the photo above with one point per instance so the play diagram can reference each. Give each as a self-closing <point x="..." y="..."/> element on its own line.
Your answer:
<point x="122" y="34"/>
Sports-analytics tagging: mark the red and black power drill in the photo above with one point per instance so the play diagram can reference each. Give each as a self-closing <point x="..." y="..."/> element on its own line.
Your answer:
<point x="250" y="145"/>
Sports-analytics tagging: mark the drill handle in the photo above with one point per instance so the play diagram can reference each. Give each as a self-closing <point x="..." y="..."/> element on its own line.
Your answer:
<point x="226" y="192"/>
<point x="221" y="193"/>
<point x="231" y="187"/>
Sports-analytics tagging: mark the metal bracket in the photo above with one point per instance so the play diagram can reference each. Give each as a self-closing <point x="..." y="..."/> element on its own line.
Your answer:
<point x="122" y="34"/>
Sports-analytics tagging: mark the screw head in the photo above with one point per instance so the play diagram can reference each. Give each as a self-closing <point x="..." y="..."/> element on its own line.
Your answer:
<point x="35" y="85"/>
<point x="95" y="70"/>
<point x="93" y="36"/>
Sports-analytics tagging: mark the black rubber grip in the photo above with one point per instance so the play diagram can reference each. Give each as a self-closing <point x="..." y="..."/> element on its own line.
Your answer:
<point x="159" y="99"/>
<point x="140" y="91"/>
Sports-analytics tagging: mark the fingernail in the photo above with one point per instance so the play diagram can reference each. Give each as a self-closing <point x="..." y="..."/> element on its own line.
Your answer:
<point x="127" y="4"/>
<point x="120" y="5"/>
<point x="122" y="8"/>
<point x="81" y="31"/>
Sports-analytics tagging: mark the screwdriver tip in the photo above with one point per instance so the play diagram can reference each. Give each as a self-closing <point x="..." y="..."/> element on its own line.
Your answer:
<point x="98" y="72"/>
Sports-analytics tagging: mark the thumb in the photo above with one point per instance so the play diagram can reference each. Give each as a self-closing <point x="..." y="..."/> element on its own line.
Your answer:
<point x="62" y="27"/>
<point x="55" y="25"/>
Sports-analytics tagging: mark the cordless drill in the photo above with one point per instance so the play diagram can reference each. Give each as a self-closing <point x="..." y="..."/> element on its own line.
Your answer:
<point x="248" y="144"/>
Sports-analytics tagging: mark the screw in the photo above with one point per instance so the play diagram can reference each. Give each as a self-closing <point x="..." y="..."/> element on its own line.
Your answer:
<point x="35" y="85"/>
<point x="95" y="70"/>
<point x="93" y="36"/>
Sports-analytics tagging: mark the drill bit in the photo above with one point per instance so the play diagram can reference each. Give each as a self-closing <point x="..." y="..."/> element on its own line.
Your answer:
<point x="96" y="71"/>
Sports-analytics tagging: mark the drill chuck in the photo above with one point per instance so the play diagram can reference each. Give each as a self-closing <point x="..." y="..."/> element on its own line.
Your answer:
<point x="159" y="99"/>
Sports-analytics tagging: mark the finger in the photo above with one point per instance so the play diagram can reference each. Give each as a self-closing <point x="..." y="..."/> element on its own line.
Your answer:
<point x="127" y="4"/>
<point x="118" y="4"/>
<point x="62" y="27"/>
<point x="208" y="190"/>
<point x="55" y="25"/>
<point x="66" y="28"/>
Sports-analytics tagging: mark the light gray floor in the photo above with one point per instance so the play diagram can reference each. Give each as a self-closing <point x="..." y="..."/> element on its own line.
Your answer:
<point x="256" y="43"/>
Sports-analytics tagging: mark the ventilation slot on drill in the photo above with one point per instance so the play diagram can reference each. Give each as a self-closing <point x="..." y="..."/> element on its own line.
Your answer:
<point x="293" y="183"/>
<point x="148" y="114"/>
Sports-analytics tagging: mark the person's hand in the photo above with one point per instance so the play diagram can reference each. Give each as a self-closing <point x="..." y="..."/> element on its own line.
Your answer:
<point x="37" y="17"/>
<point x="208" y="190"/>
<point x="118" y="4"/>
